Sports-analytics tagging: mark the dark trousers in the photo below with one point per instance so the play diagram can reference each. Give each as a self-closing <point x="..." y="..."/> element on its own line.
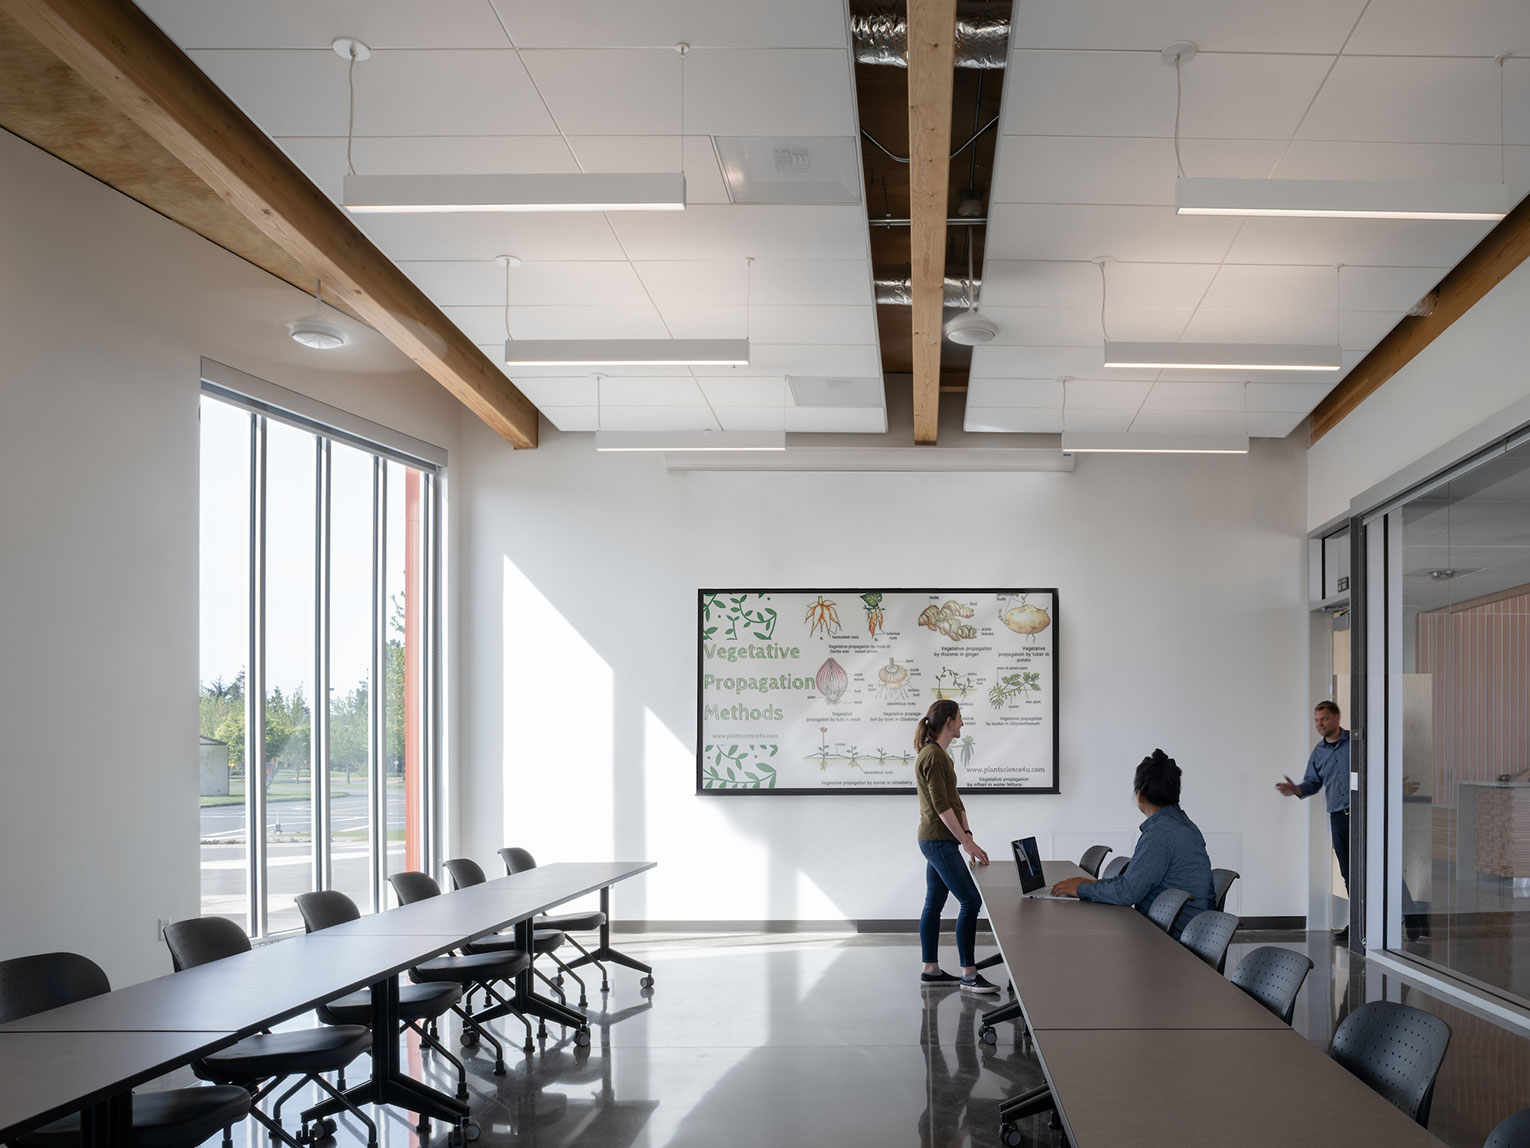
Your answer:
<point x="1338" y="825"/>
<point x="947" y="873"/>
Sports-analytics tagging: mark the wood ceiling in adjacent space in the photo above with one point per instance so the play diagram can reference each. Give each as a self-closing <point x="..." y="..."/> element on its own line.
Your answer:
<point x="129" y="75"/>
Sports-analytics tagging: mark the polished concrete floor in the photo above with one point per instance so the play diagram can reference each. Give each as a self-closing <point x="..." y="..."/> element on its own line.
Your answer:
<point x="798" y="1039"/>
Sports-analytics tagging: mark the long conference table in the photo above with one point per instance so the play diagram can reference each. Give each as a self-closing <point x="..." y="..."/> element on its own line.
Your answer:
<point x="87" y="1056"/>
<point x="1143" y="1043"/>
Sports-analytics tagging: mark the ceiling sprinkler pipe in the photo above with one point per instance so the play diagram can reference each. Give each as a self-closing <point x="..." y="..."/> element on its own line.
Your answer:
<point x="879" y="31"/>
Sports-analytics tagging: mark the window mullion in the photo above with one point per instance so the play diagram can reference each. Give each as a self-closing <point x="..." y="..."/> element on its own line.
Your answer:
<point x="255" y="690"/>
<point x="318" y="770"/>
<point x="377" y="849"/>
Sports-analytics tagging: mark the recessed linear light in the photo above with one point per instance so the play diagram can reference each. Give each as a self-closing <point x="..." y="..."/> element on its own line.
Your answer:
<point x="1341" y="199"/>
<point x="627" y="352"/>
<point x="574" y="191"/>
<point x="1154" y="443"/>
<point x="1222" y="356"/>
<point x="690" y="440"/>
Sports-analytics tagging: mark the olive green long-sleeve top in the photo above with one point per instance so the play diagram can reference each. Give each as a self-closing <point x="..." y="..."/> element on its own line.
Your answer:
<point x="935" y="779"/>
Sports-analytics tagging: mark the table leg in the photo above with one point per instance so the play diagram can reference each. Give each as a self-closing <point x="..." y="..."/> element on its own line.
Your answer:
<point x="530" y="1002"/>
<point x="606" y="953"/>
<point x="108" y="1123"/>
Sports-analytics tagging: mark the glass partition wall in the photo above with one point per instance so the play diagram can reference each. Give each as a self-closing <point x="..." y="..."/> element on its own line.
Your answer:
<point x="319" y="614"/>
<point x="1451" y="624"/>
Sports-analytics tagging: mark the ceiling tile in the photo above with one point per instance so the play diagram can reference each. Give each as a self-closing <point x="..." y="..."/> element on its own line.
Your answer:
<point x="703" y="177"/>
<point x="1190" y="422"/>
<point x="398" y="93"/>
<point x="657" y="418"/>
<point x="664" y="23"/>
<point x="1195" y="397"/>
<point x="1013" y="420"/>
<point x="1372" y="242"/>
<point x="609" y="91"/>
<point x="795" y="359"/>
<point x="481" y="236"/>
<point x="323" y="161"/>
<point x="571" y="418"/>
<point x="1427" y="28"/>
<point x="1388" y="288"/>
<point x="1214" y="25"/>
<point x="572" y="284"/>
<point x="1105" y="394"/>
<point x="1314" y="328"/>
<point x="837" y="420"/>
<point x="746" y="391"/>
<point x="1041" y="283"/>
<point x="803" y="282"/>
<point x="735" y="231"/>
<point x="1046" y="363"/>
<point x="704" y="322"/>
<point x="380" y="24"/>
<point x="675" y="391"/>
<point x="1294" y="288"/>
<point x="1131" y="234"/>
<point x="769" y="92"/>
<point x="1262" y="425"/>
<point x="1089" y="169"/>
<point x="1407" y="98"/>
<point x="486" y="324"/>
<point x="1285" y="398"/>
<point x="567" y="392"/>
<point x="1080" y="326"/>
<point x="1015" y="393"/>
<point x="851" y="326"/>
<point x="1423" y="162"/>
<point x="1098" y="421"/>
<point x="751" y="418"/>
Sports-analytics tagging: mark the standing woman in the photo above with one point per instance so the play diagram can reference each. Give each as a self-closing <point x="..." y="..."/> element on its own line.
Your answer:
<point x="943" y="834"/>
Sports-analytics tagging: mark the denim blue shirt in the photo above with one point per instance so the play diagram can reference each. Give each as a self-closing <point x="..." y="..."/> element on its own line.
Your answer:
<point x="1170" y="854"/>
<point x="1328" y="770"/>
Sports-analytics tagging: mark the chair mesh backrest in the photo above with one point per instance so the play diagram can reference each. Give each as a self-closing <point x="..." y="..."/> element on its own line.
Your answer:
<point x="1273" y="977"/>
<point x="1395" y="1049"/>
<point x="411" y="886"/>
<point x="47" y="980"/>
<point x="1207" y="936"/>
<point x="464" y="871"/>
<point x="204" y="939"/>
<point x="321" y="910"/>
<point x="1166" y="907"/>
<point x="1221" y="881"/>
<point x="516" y="859"/>
<point x="1512" y="1133"/>
<point x="1090" y="861"/>
<point x="1116" y="867"/>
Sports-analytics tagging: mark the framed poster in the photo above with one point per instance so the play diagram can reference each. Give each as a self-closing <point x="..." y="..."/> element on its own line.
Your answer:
<point x="819" y="691"/>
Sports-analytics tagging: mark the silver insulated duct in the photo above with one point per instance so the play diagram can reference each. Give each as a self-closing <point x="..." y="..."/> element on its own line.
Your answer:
<point x="879" y="31"/>
<point x="894" y="287"/>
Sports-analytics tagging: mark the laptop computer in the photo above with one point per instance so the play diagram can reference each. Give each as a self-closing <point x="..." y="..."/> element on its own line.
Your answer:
<point x="1033" y="882"/>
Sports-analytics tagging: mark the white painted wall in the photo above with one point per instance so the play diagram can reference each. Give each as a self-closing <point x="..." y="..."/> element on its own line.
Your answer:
<point x="105" y="311"/>
<point x="1183" y="624"/>
<point x="1466" y="376"/>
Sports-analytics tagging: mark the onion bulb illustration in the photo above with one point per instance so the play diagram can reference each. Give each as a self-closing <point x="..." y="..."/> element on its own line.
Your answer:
<point x="1027" y="619"/>
<point x="832" y="680"/>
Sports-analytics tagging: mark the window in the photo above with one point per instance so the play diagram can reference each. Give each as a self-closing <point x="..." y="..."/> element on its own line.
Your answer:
<point x="319" y="613"/>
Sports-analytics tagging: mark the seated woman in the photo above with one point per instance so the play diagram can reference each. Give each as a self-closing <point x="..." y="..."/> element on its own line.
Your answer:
<point x="1170" y="854"/>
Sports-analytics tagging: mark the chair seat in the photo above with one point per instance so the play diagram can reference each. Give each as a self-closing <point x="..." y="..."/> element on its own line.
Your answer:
<point x="573" y="922"/>
<point x="415" y="1002"/>
<point x="472" y="968"/>
<point x="174" y="1118"/>
<point x="279" y="1053"/>
<point x="542" y="941"/>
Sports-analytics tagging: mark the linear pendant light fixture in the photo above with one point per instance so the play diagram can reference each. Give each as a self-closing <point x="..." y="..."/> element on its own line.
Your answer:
<point x="1341" y="199"/>
<point x="627" y="352"/>
<point x="1222" y="356"/>
<point x="574" y="191"/>
<point x="1075" y="443"/>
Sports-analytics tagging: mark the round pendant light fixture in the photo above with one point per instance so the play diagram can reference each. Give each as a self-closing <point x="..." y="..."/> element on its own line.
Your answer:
<point x="971" y="329"/>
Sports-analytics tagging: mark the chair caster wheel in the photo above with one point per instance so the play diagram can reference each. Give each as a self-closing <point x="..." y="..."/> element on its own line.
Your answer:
<point x="558" y="980"/>
<point x="469" y="1131"/>
<point x="583" y="1002"/>
<point x="499" y="1068"/>
<point x="468" y="1039"/>
<point x="989" y="1034"/>
<point x="1009" y="1136"/>
<point x="646" y="982"/>
<point x="582" y="1038"/>
<point x="605" y="987"/>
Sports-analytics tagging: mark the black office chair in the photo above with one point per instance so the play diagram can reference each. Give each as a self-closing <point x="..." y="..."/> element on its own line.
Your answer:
<point x="544" y="942"/>
<point x="1273" y="977"/>
<point x="173" y="1118"/>
<point x="263" y="1062"/>
<point x="1208" y="934"/>
<point x="1165" y="908"/>
<point x="1397" y="1050"/>
<point x="472" y="972"/>
<point x="518" y="860"/>
<point x="1512" y="1133"/>
<point x="419" y="1006"/>
<point x="1090" y="861"/>
<point x="1115" y="868"/>
<point x="1221" y="881"/>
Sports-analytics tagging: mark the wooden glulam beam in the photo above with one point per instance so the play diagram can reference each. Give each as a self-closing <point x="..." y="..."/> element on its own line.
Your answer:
<point x="1485" y="266"/>
<point x="931" y="56"/>
<point x="123" y="55"/>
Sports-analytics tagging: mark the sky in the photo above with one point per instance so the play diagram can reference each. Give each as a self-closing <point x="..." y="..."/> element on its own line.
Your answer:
<point x="225" y="546"/>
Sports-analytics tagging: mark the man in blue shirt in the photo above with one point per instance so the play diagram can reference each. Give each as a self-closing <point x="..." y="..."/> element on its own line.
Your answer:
<point x="1328" y="770"/>
<point x="1170" y="854"/>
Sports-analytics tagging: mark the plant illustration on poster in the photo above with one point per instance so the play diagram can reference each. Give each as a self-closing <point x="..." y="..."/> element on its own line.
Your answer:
<point x="801" y="692"/>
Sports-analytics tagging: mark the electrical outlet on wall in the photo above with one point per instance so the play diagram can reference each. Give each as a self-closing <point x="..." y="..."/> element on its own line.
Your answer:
<point x="160" y="925"/>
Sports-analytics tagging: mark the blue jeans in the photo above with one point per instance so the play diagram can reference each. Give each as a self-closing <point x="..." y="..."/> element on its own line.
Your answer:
<point x="947" y="873"/>
<point x="1338" y="826"/>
